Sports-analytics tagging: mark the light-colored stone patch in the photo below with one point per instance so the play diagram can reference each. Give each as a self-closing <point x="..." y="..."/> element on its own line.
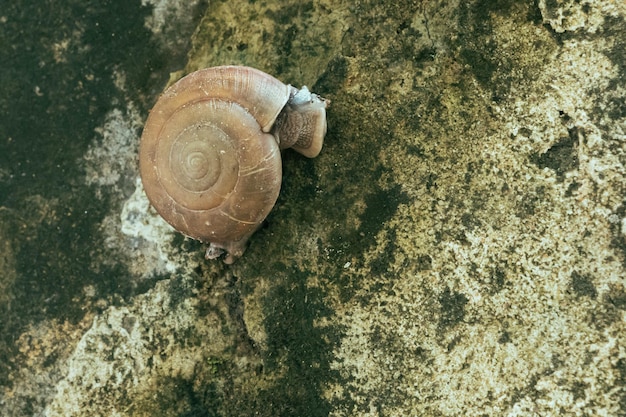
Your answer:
<point x="531" y="346"/>
<point x="165" y="12"/>
<point x="150" y="235"/>
<point x="112" y="157"/>
<point x="128" y="349"/>
<point x="137" y="233"/>
<point x="587" y="15"/>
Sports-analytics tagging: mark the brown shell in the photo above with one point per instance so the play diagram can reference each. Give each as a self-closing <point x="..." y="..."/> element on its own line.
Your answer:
<point x="207" y="163"/>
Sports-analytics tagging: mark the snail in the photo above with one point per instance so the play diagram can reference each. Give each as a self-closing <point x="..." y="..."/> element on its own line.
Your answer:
<point x="210" y="152"/>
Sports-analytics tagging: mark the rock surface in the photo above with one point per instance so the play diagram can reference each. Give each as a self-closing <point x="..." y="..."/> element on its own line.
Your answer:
<point x="458" y="247"/>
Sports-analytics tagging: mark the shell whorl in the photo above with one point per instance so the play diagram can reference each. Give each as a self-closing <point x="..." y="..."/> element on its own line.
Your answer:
<point x="208" y="162"/>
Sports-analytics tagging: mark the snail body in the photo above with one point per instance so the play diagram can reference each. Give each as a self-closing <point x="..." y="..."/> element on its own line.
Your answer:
<point x="210" y="158"/>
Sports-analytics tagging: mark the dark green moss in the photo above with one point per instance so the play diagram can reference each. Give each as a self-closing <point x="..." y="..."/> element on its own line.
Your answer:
<point x="424" y="263"/>
<point x="298" y="350"/>
<point x="572" y="188"/>
<point x="233" y="298"/>
<point x="562" y="156"/>
<point x="504" y="338"/>
<point x="621" y="382"/>
<point x="617" y="297"/>
<point x="529" y="390"/>
<point x="287" y="14"/>
<point x="51" y="105"/>
<point x="618" y="240"/>
<point x="469" y="221"/>
<point x="582" y="285"/>
<point x="481" y="63"/>
<point x="493" y="66"/>
<point x="409" y="45"/>
<point x="179" y="397"/>
<point x="380" y="264"/>
<point x="498" y="279"/>
<point x="334" y="76"/>
<point x="179" y="290"/>
<point x="53" y="263"/>
<point x="532" y="199"/>
<point x="617" y="54"/>
<point x="346" y="243"/>
<point x="452" y="306"/>
<point x="292" y="35"/>
<point x="380" y="206"/>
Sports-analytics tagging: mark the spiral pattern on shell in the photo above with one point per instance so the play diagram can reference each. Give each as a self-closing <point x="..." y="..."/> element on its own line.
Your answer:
<point x="208" y="162"/>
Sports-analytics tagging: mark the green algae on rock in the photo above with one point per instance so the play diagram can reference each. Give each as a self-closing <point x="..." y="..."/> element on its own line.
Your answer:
<point x="458" y="247"/>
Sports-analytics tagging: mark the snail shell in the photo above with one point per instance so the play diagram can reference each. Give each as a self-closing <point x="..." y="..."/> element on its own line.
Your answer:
<point x="210" y="151"/>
